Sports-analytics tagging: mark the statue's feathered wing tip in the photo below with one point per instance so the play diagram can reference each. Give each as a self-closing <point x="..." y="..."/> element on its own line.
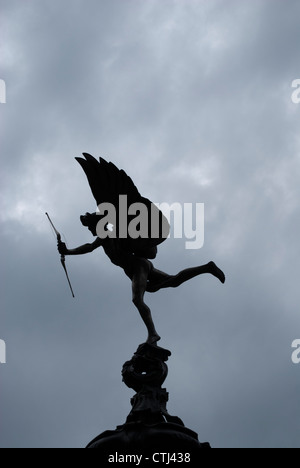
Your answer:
<point x="108" y="182"/>
<point x="89" y="157"/>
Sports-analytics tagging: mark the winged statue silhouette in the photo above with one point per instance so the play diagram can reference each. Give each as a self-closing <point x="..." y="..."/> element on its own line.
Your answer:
<point x="109" y="186"/>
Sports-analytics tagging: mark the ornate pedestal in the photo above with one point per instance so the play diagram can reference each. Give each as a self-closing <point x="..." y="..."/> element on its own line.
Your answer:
<point x="150" y="430"/>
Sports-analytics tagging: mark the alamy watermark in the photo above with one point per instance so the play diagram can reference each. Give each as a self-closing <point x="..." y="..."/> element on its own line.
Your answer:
<point x="2" y="92"/>
<point x="296" y="353"/>
<point x="2" y="352"/>
<point x="296" y="93"/>
<point x="142" y="220"/>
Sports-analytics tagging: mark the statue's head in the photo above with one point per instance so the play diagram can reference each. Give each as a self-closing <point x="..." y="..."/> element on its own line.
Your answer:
<point x="90" y="220"/>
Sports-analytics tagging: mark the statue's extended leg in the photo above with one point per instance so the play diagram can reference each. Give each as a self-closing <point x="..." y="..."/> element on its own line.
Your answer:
<point x="139" y="285"/>
<point x="160" y="280"/>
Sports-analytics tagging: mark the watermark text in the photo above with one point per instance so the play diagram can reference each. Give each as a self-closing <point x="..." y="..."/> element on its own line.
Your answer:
<point x="161" y="458"/>
<point x="152" y="220"/>
<point x="2" y="352"/>
<point x="2" y="92"/>
<point x="296" y="93"/>
<point x="296" y="353"/>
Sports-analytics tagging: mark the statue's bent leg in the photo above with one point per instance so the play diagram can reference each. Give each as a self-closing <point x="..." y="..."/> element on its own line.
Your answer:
<point x="159" y="280"/>
<point x="190" y="273"/>
<point x="139" y="285"/>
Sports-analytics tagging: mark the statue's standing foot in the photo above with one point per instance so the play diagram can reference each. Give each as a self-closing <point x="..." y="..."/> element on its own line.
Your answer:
<point x="153" y="339"/>
<point x="215" y="271"/>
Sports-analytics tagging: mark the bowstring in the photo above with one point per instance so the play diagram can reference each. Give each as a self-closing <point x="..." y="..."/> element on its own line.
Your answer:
<point x="55" y="236"/>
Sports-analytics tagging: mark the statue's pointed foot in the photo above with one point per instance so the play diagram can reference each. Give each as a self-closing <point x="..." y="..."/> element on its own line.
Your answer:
<point x="215" y="271"/>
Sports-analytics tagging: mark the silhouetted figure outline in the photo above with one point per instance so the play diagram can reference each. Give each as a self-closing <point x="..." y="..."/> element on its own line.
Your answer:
<point x="107" y="183"/>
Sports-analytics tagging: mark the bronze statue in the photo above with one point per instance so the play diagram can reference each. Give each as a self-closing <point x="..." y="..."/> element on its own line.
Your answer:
<point x="133" y="255"/>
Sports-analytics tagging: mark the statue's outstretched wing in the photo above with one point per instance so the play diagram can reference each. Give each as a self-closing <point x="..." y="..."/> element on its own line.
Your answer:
<point x="107" y="183"/>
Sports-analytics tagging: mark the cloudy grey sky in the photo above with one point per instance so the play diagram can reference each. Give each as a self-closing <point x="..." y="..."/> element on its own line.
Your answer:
<point x="193" y="99"/>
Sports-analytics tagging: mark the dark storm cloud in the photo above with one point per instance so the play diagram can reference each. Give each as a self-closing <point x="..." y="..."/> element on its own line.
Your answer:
<point x="193" y="99"/>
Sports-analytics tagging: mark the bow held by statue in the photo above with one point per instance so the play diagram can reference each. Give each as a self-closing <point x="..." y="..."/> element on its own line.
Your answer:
<point x="62" y="250"/>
